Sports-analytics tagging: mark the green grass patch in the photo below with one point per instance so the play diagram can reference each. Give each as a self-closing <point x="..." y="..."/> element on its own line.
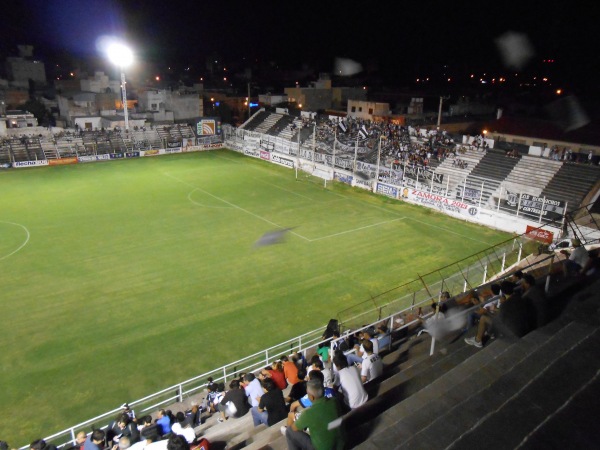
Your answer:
<point x="121" y="278"/>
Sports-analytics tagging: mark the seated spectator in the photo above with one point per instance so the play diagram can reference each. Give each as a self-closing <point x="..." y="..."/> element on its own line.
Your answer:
<point x="537" y="296"/>
<point x="125" y="427"/>
<point x="253" y="389"/>
<point x="516" y="316"/>
<point x="372" y="366"/>
<point x="356" y="358"/>
<point x="349" y="383"/>
<point x="298" y="389"/>
<point x="41" y="444"/>
<point x="124" y="444"/>
<point x="271" y="407"/>
<point x="234" y="403"/>
<point x="317" y="364"/>
<point x="214" y="396"/>
<point x="323" y="352"/>
<point x="318" y="419"/>
<point x="149" y="428"/>
<point x="164" y="421"/>
<point x="177" y="442"/>
<point x="182" y="428"/>
<point x="194" y="415"/>
<point x="79" y="441"/>
<point x="95" y="441"/>
<point x="577" y="259"/>
<point x="276" y="373"/>
<point x="290" y="370"/>
<point x="149" y="436"/>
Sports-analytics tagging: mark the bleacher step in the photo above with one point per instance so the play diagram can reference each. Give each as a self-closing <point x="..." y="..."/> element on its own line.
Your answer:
<point x="521" y="362"/>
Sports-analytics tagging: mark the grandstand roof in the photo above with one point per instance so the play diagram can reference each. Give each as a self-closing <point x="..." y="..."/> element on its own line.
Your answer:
<point x="544" y="129"/>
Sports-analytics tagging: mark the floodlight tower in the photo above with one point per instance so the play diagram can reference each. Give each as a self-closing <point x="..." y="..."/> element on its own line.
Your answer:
<point x="121" y="56"/>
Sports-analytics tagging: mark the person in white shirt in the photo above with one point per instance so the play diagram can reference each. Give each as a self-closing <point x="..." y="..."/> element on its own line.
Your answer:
<point x="349" y="383"/>
<point x="182" y="428"/>
<point x="372" y="366"/>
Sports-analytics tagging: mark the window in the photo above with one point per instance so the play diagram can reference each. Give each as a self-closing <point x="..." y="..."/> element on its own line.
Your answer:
<point x="370" y="110"/>
<point x="360" y="109"/>
<point x="354" y="109"/>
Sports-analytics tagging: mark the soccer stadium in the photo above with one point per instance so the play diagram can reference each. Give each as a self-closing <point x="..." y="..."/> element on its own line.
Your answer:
<point x="176" y="269"/>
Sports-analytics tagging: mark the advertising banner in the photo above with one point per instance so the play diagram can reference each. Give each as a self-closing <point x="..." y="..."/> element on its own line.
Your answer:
<point x="540" y="235"/>
<point x="251" y="152"/>
<point x="117" y="156"/>
<point x="153" y="152"/>
<point x="286" y="162"/>
<point x="132" y="155"/>
<point x="531" y="206"/>
<point x="21" y="164"/>
<point x="173" y="150"/>
<point x="265" y="155"/>
<point x="439" y="202"/>
<point x="93" y="158"/>
<point x="62" y="161"/>
<point x="342" y="177"/>
<point x="387" y="190"/>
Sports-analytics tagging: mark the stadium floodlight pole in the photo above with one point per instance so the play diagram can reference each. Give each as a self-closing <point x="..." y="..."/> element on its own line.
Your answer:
<point x="314" y="141"/>
<point x="121" y="56"/>
<point x="333" y="157"/>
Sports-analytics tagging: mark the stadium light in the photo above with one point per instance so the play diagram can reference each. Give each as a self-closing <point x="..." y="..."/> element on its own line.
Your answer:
<point x="121" y="56"/>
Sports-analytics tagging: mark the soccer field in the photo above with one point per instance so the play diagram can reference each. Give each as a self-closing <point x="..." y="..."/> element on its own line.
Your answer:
<point x="122" y="278"/>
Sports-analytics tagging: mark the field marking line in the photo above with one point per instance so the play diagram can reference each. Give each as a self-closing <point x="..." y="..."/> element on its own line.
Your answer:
<point x="236" y="206"/>
<point x="189" y="197"/>
<point x="357" y="229"/>
<point x="23" y="244"/>
<point x="446" y="230"/>
<point x="284" y="189"/>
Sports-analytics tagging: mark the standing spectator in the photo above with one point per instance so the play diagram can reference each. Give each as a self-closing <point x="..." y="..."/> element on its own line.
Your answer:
<point x="577" y="258"/>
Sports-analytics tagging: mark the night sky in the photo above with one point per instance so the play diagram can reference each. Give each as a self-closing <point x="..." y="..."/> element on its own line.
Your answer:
<point x="394" y="36"/>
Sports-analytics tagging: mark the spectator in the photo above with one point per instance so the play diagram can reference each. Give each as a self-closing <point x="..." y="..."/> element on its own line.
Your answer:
<point x="148" y="427"/>
<point x="536" y="295"/>
<point x="317" y="419"/>
<point x="323" y="352"/>
<point x="124" y="443"/>
<point x="95" y="441"/>
<point x="182" y="428"/>
<point x="253" y="389"/>
<point x="276" y="373"/>
<point x="290" y="370"/>
<point x="317" y="364"/>
<point x="372" y="366"/>
<point x="271" y="407"/>
<point x="148" y="435"/>
<point x="577" y="259"/>
<point x="194" y="415"/>
<point x="349" y="383"/>
<point x="127" y="428"/>
<point x="298" y="390"/>
<point x="234" y="403"/>
<point x="164" y="422"/>
<point x="41" y="444"/>
<point x="177" y="442"/>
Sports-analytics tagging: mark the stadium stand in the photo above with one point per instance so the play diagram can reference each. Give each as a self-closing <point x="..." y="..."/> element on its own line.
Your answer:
<point x="5" y="155"/>
<point x="146" y="139"/>
<point x="19" y="150"/>
<point x="255" y="121"/>
<point x="572" y="183"/>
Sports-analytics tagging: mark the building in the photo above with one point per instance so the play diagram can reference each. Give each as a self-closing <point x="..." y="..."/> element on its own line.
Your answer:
<point x="360" y="109"/>
<point x="322" y="95"/>
<point x="23" y="68"/>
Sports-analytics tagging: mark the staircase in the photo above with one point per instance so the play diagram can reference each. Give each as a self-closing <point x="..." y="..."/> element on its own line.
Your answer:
<point x="530" y="175"/>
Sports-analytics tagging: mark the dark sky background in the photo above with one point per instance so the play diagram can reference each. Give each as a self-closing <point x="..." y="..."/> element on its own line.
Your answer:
<point x="397" y="35"/>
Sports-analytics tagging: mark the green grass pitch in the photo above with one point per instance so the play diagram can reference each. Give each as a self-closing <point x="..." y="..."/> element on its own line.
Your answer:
<point x="122" y="278"/>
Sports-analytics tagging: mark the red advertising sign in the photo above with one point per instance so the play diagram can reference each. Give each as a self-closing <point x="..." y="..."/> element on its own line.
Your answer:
<point x="62" y="161"/>
<point x="540" y="235"/>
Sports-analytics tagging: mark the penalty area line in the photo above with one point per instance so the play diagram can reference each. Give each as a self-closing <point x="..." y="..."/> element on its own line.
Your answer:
<point x="356" y="229"/>
<point x="233" y="205"/>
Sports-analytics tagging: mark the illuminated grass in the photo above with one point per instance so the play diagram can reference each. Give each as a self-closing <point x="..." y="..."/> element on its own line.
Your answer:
<point x="141" y="273"/>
